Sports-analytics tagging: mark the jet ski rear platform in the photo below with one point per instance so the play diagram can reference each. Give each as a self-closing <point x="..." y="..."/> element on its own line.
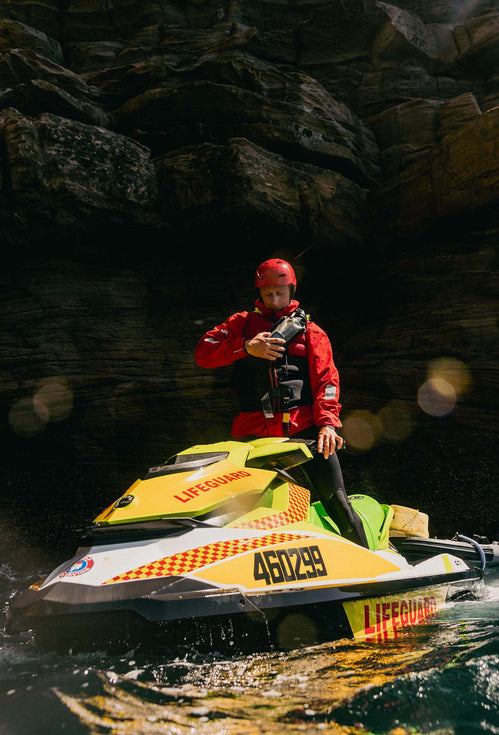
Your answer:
<point x="474" y="550"/>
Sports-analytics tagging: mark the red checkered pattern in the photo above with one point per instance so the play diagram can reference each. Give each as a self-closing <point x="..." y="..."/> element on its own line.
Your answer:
<point x="299" y="500"/>
<point x="194" y="559"/>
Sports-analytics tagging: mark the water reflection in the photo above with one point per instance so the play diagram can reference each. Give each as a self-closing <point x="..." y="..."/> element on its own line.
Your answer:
<point x="258" y="693"/>
<point x="441" y="678"/>
<point x="336" y="688"/>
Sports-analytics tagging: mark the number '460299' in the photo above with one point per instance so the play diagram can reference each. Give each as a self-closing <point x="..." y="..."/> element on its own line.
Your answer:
<point x="288" y="565"/>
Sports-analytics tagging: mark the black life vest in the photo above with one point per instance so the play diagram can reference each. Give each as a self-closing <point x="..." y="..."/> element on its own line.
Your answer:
<point x="275" y="387"/>
<point x="272" y="387"/>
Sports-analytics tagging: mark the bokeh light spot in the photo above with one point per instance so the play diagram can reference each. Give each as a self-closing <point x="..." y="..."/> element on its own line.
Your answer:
<point x="52" y="401"/>
<point x="451" y="370"/>
<point x="57" y="398"/>
<point x="28" y="417"/>
<point x="437" y="397"/>
<point x="361" y="429"/>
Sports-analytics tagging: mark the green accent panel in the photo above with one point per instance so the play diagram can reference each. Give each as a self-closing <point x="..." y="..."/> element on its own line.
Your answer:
<point x="385" y="528"/>
<point x="324" y="520"/>
<point x="373" y="516"/>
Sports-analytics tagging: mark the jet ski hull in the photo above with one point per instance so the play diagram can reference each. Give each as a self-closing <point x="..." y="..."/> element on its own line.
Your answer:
<point x="198" y="608"/>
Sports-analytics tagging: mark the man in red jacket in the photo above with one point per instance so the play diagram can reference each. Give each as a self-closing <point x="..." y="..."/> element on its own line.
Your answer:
<point x="286" y="381"/>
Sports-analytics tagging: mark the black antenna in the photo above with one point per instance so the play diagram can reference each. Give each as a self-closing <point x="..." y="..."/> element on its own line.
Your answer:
<point x="305" y="251"/>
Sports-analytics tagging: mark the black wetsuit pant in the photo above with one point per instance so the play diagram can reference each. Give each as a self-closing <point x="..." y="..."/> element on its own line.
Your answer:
<point x="327" y="479"/>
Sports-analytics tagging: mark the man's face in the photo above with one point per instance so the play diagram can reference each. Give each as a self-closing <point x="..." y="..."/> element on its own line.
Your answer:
<point x="275" y="298"/>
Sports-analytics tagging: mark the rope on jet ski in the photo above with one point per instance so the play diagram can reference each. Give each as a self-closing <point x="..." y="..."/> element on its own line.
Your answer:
<point x="477" y="547"/>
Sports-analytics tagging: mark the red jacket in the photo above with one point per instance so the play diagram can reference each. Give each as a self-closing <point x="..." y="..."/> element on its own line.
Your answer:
<point x="224" y="345"/>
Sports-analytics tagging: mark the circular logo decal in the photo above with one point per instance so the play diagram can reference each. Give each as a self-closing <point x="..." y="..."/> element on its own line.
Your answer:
<point x="81" y="566"/>
<point x="124" y="501"/>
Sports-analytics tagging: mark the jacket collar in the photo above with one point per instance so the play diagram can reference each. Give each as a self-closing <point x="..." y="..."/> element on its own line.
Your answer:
<point x="274" y="316"/>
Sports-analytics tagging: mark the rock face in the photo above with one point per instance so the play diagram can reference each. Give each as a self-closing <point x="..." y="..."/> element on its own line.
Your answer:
<point x="152" y="153"/>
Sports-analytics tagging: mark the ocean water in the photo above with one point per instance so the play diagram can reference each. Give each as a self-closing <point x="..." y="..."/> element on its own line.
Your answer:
<point x="441" y="678"/>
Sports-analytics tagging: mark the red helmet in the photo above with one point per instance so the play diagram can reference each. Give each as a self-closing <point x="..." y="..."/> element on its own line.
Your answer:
<point x="274" y="272"/>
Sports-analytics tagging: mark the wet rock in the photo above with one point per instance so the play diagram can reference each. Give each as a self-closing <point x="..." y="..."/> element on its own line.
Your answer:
<point x="460" y="175"/>
<point x="90" y="21"/>
<point x="18" y="35"/>
<point x="245" y="185"/>
<point x="74" y="170"/>
<point x="38" y="95"/>
<point x="19" y="66"/>
<point x="44" y="15"/>
<point x="382" y="88"/>
<point x="477" y="41"/>
<point x="456" y="112"/>
<point x="405" y="132"/>
<point x="311" y="127"/>
<point x="403" y="36"/>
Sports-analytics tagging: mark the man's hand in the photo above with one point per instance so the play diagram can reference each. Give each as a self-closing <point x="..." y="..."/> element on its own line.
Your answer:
<point x="328" y="441"/>
<point x="265" y="346"/>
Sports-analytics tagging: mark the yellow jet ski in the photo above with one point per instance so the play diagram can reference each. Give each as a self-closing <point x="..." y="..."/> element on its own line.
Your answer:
<point x="223" y="543"/>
